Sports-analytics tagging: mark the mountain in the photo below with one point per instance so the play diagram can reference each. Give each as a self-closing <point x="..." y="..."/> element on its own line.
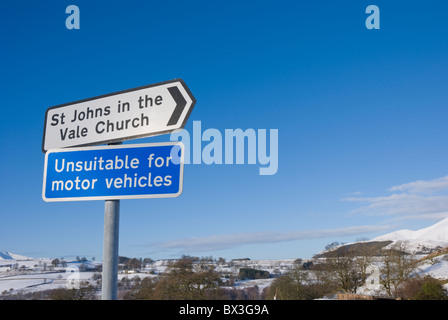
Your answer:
<point x="421" y="242"/>
<point x="6" y="255"/>
<point x="436" y="232"/>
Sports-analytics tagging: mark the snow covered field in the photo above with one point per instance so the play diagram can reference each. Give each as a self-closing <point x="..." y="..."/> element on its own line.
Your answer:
<point x="35" y="279"/>
<point x="21" y="274"/>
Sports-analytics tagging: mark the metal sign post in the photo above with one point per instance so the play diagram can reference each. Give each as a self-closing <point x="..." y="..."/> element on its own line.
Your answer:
<point x="110" y="250"/>
<point x="109" y="283"/>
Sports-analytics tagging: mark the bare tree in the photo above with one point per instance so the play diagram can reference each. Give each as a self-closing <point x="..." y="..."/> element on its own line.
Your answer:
<point x="396" y="267"/>
<point x="345" y="270"/>
<point x="187" y="280"/>
<point x="364" y="259"/>
<point x="299" y="284"/>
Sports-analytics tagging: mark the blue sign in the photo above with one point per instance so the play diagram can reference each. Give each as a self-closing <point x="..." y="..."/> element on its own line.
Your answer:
<point x="114" y="172"/>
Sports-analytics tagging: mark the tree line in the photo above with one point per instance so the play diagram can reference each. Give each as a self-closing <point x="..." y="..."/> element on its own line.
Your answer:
<point x="342" y="270"/>
<point x="346" y="269"/>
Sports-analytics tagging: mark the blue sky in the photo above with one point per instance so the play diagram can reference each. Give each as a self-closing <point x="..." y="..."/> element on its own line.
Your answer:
<point x="361" y="118"/>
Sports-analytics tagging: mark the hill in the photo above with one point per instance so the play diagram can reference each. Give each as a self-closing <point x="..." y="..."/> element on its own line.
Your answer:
<point x="420" y="242"/>
<point x="423" y="241"/>
<point x="6" y="255"/>
<point x="356" y="249"/>
<point x="436" y="232"/>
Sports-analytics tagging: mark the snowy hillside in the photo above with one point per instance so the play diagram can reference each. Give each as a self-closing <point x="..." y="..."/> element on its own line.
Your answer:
<point x="421" y="241"/>
<point x="19" y="273"/>
<point x="5" y="255"/>
<point x="436" y="232"/>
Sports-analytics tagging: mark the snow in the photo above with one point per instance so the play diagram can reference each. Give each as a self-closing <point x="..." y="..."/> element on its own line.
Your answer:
<point x="423" y="241"/>
<point x="436" y="267"/>
<point x="19" y="273"/>
<point x="39" y="281"/>
<point x="437" y="232"/>
<point x="5" y="255"/>
<point x="35" y="279"/>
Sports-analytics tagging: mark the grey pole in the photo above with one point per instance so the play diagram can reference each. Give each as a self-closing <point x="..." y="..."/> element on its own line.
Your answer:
<point x="110" y="250"/>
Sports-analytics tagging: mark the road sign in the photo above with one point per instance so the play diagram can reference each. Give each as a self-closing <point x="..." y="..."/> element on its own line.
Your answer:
<point x="135" y="113"/>
<point x="114" y="172"/>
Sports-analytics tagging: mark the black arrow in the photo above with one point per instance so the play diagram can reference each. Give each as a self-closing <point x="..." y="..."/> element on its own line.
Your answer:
<point x="180" y="105"/>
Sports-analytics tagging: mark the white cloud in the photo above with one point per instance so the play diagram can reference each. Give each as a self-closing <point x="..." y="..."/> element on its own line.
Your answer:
<point x="228" y="241"/>
<point x="422" y="186"/>
<point x="410" y="200"/>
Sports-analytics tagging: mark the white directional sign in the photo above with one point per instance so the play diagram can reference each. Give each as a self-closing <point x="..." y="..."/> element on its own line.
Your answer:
<point x="140" y="112"/>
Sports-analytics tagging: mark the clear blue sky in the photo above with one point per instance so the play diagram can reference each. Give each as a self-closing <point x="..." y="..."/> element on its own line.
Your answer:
<point x="358" y="113"/>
